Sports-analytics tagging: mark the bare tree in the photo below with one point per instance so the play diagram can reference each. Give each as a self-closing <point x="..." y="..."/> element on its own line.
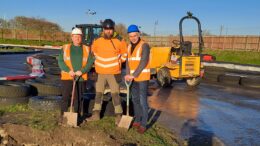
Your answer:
<point x="121" y="30"/>
<point x="22" y="22"/>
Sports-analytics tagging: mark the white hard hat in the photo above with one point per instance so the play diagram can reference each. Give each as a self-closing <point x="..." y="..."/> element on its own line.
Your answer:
<point x="76" y="31"/>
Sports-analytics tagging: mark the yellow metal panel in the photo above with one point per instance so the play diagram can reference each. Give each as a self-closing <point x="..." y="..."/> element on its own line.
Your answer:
<point x="175" y="73"/>
<point x="159" y="56"/>
<point x="190" y="66"/>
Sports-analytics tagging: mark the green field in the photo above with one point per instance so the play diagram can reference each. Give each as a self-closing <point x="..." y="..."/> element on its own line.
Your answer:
<point x="243" y="57"/>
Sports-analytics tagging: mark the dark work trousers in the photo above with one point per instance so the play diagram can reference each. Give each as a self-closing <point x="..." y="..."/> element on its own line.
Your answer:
<point x="139" y="98"/>
<point x="66" y="95"/>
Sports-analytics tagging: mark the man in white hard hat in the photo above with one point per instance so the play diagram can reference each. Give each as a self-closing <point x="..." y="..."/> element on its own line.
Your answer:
<point x="75" y="61"/>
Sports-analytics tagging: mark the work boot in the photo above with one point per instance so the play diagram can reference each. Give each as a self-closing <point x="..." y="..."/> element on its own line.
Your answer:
<point x="141" y="130"/>
<point x="136" y="125"/>
<point x="95" y="116"/>
<point x="118" y="118"/>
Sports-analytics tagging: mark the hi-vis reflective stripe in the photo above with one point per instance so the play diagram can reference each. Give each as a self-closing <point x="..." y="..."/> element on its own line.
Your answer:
<point x="135" y="58"/>
<point x="138" y="50"/>
<point x="106" y="65"/>
<point x="144" y="70"/>
<point x="65" y="53"/>
<point x="84" y="58"/>
<point x="105" y="59"/>
<point x="86" y="49"/>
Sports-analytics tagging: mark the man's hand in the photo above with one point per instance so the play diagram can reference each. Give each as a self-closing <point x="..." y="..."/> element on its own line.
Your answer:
<point x="78" y="73"/>
<point x="129" y="77"/>
<point x="72" y="73"/>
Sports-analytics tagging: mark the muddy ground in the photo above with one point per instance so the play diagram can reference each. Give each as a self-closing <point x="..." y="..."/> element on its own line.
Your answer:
<point x="21" y="126"/>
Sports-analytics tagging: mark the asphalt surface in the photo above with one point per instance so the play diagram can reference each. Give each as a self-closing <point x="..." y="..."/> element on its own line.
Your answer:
<point x="198" y="115"/>
<point x="15" y="64"/>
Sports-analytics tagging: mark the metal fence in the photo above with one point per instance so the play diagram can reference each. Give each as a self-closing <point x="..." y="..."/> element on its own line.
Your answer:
<point x="236" y="43"/>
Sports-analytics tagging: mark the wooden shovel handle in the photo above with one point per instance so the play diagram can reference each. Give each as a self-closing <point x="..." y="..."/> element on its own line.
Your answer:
<point x="72" y="95"/>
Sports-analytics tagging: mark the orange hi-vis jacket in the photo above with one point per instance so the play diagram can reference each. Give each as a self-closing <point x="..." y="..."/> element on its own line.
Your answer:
<point x="109" y="55"/>
<point x="134" y="60"/>
<point x="67" y="60"/>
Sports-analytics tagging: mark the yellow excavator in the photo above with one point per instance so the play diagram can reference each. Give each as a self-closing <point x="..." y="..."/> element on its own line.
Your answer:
<point x="178" y="62"/>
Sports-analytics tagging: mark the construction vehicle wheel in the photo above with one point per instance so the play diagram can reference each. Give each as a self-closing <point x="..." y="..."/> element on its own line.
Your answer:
<point x="164" y="77"/>
<point x="193" y="81"/>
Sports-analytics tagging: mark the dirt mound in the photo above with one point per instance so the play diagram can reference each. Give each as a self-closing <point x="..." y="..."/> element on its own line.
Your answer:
<point x="60" y="136"/>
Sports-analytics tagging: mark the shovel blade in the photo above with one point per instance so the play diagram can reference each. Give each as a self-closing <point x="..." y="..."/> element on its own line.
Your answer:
<point x="72" y="118"/>
<point x="125" y="122"/>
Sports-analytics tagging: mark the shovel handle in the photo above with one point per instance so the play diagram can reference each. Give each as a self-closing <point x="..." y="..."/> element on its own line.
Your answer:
<point x="128" y="84"/>
<point x="73" y="92"/>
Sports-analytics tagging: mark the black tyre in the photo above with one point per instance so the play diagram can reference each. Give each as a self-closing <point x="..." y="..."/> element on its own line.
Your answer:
<point x="53" y="70"/>
<point x="212" y="76"/>
<point x="7" y="101"/>
<point x="45" y="103"/>
<point x="44" y="88"/>
<point x="44" y="57"/>
<point x="252" y="82"/>
<point x="229" y="79"/>
<point x="192" y="82"/>
<point x="164" y="77"/>
<point x="210" y="69"/>
<point x="47" y="78"/>
<point x="14" y="89"/>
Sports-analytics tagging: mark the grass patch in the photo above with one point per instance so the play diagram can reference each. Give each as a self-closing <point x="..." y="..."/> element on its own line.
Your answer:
<point x="15" y="49"/>
<point x="156" y="135"/>
<point x="47" y="121"/>
<point x="14" y="108"/>
<point x="31" y="42"/>
<point x="242" y="57"/>
<point x="21" y="114"/>
<point x="43" y="120"/>
<point x="1" y="113"/>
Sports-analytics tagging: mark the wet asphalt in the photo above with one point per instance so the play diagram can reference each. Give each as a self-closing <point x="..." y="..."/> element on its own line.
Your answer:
<point x="197" y="115"/>
<point x="201" y="114"/>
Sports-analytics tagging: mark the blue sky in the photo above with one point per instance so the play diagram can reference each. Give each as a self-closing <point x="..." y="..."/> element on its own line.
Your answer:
<point x="236" y="16"/>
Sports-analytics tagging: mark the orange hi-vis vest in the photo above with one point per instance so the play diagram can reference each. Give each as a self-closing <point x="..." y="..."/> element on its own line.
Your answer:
<point x="134" y="60"/>
<point x="109" y="55"/>
<point x="67" y="60"/>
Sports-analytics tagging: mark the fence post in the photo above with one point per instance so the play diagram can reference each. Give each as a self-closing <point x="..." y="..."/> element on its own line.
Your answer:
<point x="258" y="44"/>
<point x="246" y="43"/>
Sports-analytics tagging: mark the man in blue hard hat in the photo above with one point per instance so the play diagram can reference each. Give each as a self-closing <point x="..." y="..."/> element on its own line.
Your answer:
<point x="138" y="71"/>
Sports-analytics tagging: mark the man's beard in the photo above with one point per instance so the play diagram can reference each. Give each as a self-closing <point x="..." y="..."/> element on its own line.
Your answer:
<point x="108" y="36"/>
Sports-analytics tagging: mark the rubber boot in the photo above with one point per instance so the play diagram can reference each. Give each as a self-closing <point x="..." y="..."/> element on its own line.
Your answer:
<point x="95" y="116"/>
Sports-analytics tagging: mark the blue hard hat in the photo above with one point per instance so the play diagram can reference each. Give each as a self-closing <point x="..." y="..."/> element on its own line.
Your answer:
<point x="132" y="28"/>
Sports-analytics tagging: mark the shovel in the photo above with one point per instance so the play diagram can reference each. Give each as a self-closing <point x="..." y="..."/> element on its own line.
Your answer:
<point x="72" y="117"/>
<point x="126" y="120"/>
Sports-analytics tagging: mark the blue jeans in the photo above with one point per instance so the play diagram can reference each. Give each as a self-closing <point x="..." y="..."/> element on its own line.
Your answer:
<point x="139" y="98"/>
